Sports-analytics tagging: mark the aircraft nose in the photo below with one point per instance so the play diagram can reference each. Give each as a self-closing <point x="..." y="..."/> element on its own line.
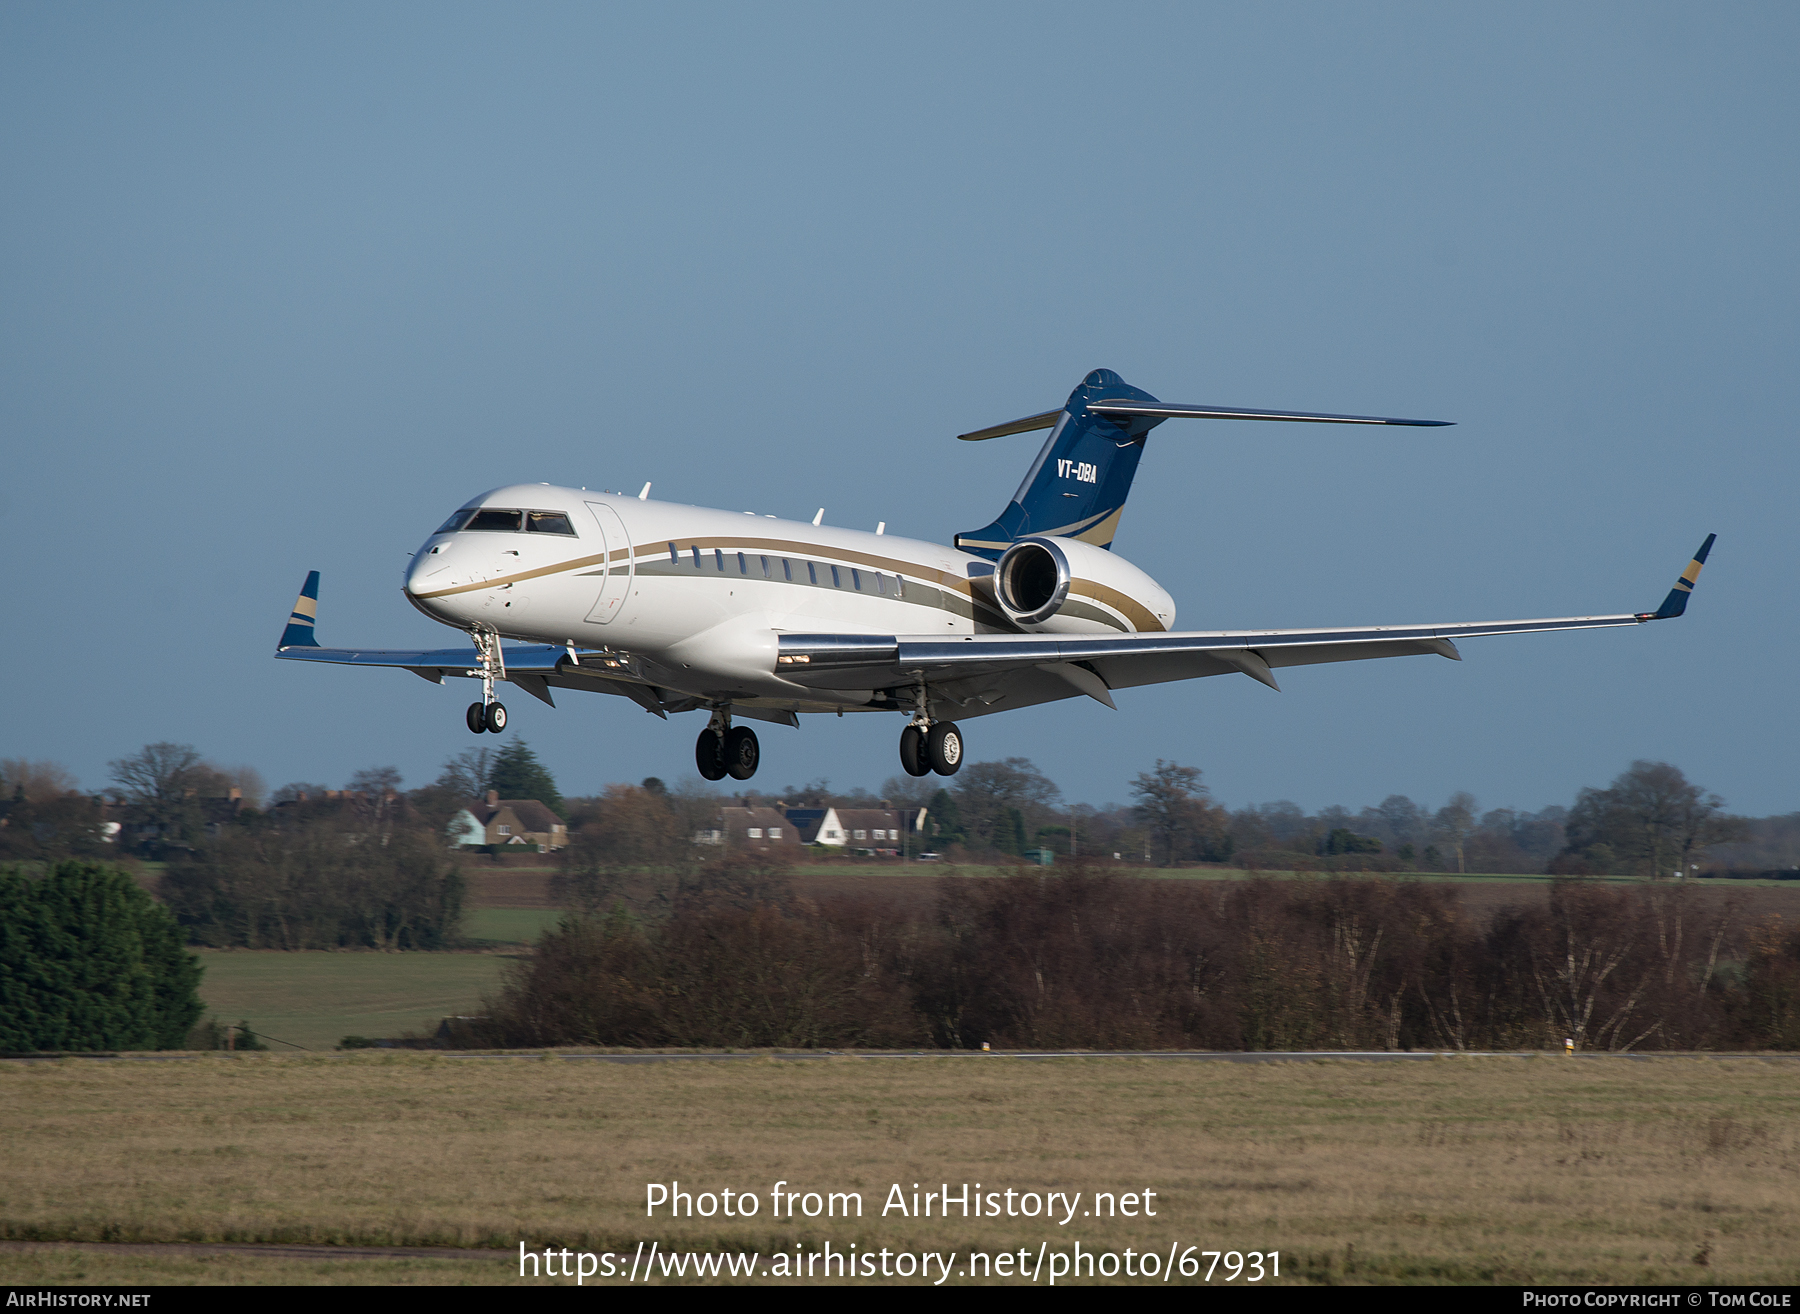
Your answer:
<point x="428" y="571"/>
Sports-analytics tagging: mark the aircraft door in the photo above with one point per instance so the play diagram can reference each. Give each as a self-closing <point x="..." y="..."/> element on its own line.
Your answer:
<point x="615" y="584"/>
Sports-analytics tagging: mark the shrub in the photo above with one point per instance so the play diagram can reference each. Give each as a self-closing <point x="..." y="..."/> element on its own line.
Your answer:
<point x="89" y="961"/>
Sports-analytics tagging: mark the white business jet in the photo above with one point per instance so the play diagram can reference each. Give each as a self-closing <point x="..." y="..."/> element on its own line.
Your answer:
<point x="749" y="617"/>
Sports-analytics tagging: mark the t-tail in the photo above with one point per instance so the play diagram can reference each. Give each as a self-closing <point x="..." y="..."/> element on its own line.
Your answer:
<point x="1078" y="485"/>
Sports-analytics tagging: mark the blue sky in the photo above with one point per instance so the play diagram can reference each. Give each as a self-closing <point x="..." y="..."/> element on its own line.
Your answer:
<point x="284" y="284"/>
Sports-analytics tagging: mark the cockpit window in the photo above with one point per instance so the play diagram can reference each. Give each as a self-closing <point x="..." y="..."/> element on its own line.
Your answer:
<point x="548" y="522"/>
<point x="489" y="521"/>
<point x="456" y="521"/>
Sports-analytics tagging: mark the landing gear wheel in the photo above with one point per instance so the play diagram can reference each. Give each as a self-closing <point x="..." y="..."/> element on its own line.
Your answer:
<point x="494" y="718"/>
<point x="709" y="755"/>
<point x="476" y="717"/>
<point x="742" y="752"/>
<point x="944" y="748"/>
<point x="912" y="752"/>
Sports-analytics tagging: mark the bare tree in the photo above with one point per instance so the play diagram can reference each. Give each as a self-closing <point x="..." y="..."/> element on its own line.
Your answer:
<point x="296" y="791"/>
<point x="1171" y="802"/>
<point x="378" y="781"/>
<point x="468" y="772"/>
<point x="1454" y="823"/>
<point x="160" y="772"/>
<point x="988" y="794"/>
<point x="1652" y="817"/>
<point x="37" y="781"/>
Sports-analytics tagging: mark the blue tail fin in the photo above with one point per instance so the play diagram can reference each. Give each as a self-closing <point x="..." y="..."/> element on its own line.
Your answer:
<point x="299" y="631"/>
<point x="1078" y="486"/>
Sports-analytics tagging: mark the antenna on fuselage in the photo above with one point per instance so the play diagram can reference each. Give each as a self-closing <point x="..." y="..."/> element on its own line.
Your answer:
<point x="820" y="516"/>
<point x="644" y="492"/>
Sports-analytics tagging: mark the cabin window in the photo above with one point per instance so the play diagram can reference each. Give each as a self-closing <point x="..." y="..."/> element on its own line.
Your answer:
<point x="743" y="565"/>
<point x="488" y="521"/>
<point x="456" y="521"/>
<point x="787" y="569"/>
<point x="812" y="572"/>
<point x="674" y="555"/>
<point x="695" y="549"/>
<point x="881" y="583"/>
<point x="719" y="559"/>
<point x="837" y="581"/>
<point x="899" y="587"/>
<point x="856" y="579"/>
<point x="767" y="573"/>
<point x="548" y="522"/>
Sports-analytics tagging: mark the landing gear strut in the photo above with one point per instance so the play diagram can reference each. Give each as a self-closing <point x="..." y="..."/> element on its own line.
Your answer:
<point x="726" y="750"/>
<point x="490" y="713"/>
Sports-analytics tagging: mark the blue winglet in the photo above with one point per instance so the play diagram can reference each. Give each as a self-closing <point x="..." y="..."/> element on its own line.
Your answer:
<point x="1677" y="601"/>
<point x="299" y="631"/>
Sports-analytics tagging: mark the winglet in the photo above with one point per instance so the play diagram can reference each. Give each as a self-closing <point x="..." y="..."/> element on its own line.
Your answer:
<point x="1677" y="601"/>
<point x="299" y="631"/>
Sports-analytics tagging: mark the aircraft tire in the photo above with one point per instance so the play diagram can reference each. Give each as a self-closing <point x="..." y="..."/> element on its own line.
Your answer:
<point x="494" y="718"/>
<point x="912" y="752"/>
<point x="944" y="748"/>
<point x="709" y="755"/>
<point x="742" y="752"/>
<point x="476" y="717"/>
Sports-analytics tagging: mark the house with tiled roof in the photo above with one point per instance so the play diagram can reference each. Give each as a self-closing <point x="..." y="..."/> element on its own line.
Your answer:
<point x="743" y="828"/>
<point x="506" y="823"/>
<point x="857" y="828"/>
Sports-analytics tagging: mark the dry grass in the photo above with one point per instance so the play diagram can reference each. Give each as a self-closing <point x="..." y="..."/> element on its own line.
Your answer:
<point x="1460" y="1170"/>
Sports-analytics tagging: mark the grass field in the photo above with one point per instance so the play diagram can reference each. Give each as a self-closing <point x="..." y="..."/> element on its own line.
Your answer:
<point x="315" y="999"/>
<point x="507" y="926"/>
<point x="1543" y="1170"/>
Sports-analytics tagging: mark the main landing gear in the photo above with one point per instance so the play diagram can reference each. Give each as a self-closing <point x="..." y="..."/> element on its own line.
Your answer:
<point x="486" y="716"/>
<point x="938" y="748"/>
<point x="490" y="713"/>
<point x="726" y="750"/>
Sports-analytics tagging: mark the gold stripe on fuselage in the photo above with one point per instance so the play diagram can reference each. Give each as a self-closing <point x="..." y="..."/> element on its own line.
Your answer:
<point x="760" y="546"/>
<point x="1127" y="606"/>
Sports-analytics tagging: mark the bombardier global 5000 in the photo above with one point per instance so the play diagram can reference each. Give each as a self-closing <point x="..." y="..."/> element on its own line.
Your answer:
<point x="747" y="617"/>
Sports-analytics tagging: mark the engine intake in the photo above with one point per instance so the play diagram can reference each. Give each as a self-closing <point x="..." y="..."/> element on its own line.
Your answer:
<point x="1062" y="585"/>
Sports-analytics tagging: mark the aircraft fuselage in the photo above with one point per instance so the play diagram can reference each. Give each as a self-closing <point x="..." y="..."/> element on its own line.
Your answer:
<point x="695" y="596"/>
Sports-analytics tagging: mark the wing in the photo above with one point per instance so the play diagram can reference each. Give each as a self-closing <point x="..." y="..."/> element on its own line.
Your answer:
<point x="533" y="667"/>
<point x="985" y="673"/>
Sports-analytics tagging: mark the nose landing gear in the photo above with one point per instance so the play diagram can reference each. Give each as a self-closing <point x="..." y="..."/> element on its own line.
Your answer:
<point x="726" y="750"/>
<point x="489" y="714"/>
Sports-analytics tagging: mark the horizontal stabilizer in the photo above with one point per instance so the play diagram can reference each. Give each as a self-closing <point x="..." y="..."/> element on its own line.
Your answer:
<point x="1170" y="411"/>
<point x="1025" y="425"/>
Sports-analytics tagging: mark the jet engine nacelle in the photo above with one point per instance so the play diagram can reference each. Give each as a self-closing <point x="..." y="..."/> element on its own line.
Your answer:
<point x="1049" y="585"/>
